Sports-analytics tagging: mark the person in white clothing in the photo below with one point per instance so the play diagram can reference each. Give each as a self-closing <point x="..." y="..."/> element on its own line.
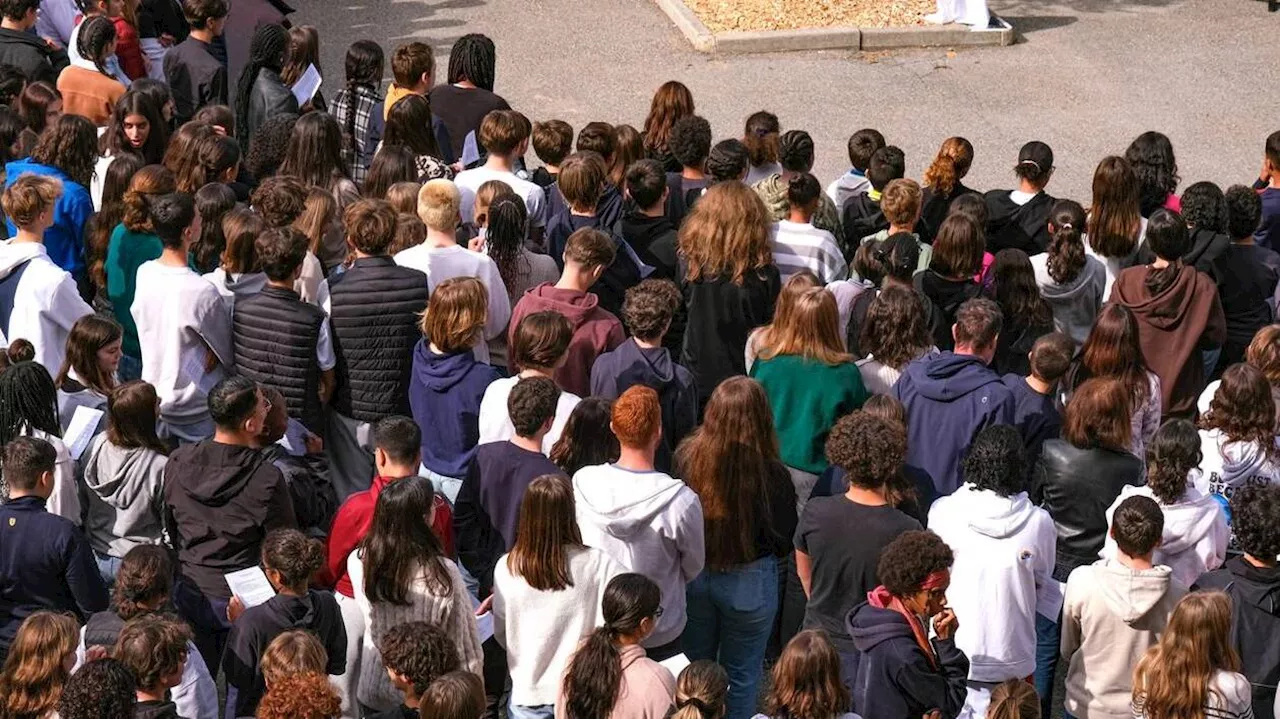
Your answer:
<point x="965" y="12"/>
<point x="539" y="345"/>
<point x="797" y="244"/>
<point x="647" y="521"/>
<point x="184" y="328"/>
<point x="28" y="407"/>
<point x="38" y="300"/>
<point x="1005" y="550"/>
<point x="1195" y="527"/>
<point x="547" y="593"/>
<point x="441" y="258"/>
<point x="504" y="135"/>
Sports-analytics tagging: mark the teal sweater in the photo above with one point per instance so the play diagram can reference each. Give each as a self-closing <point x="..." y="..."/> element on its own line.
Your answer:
<point x="807" y="397"/>
<point x="125" y="254"/>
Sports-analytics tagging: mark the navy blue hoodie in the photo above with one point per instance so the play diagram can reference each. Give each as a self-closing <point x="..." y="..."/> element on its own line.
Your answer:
<point x="892" y="677"/>
<point x="950" y="398"/>
<point x="629" y="365"/>
<point x="445" y="393"/>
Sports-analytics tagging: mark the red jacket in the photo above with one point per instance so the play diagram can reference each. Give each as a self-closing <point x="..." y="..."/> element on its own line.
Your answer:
<point x="129" y="50"/>
<point x="352" y="522"/>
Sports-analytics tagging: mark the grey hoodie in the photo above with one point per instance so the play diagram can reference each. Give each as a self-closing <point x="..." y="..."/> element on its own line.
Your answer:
<point x="1111" y="616"/>
<point x="122" y="496"/>
<point x="1075" y="304"/>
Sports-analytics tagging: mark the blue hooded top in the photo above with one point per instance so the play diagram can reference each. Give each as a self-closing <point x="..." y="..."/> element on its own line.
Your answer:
<point x="950" y="398"/>
<point x="444" y="394"/>
<point x="892" y="678"/>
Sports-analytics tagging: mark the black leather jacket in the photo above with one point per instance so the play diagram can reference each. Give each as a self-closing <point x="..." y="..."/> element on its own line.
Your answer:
<point x="268" y="97"/>
<point x="1077" y="486"/>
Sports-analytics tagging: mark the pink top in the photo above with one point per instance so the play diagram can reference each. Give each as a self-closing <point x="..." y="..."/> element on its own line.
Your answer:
<point x="984" y="274"/>
<point x="1173" y="202"/>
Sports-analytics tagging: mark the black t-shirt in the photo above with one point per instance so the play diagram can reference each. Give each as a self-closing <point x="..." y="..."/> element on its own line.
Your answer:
<point x="461" y="109"/>
<point x="947" y="295"/>
<point x="844" y="541"/>
<point x="1247" y="276"/>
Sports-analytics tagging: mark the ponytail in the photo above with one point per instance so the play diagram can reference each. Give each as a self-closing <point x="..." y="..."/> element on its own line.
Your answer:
<point x="1160" y="279"/>
<point x="1066" y="245"/>
<point x="701" y="691"/>
<point x="1014" y="699"/>
<point x="594" y="678"/>
<point x="949" y="165"/>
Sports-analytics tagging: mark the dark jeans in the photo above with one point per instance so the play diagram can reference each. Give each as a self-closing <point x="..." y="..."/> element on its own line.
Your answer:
<point x="665" y="651"/>
<point x="791" y="606"/>
<point x="208" y="618"/>
<point x="1048" y="649"/>
<point x="495" y="676"/>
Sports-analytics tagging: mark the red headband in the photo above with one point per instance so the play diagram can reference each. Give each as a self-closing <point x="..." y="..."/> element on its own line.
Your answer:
<point x="937" y="580"/>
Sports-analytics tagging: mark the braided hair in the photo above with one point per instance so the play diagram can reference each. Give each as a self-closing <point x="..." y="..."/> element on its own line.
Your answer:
<point x="28" y="401"/>
<point x="363" y="67"/>
<point x="96" y="35"/>
<point x="266" y="52"/>
<point x="504" y="237"/>
<point x="474" y="59"/>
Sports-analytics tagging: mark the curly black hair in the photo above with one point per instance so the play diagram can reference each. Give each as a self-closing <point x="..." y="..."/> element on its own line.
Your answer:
<point x="909" y="560"/>
<point x="268" y="145"/>
<point x="1151" y="156"/>
<point x="102" y="689"/>
<point x="1204" y="207"/>
<point x="690" y="141"/>
<point x="1244" y="211"/>
<point x="1254" y="509"/>
<point x="869" y="449"/>
<point x="996" y="461"/>
<point x="419" y="651"/>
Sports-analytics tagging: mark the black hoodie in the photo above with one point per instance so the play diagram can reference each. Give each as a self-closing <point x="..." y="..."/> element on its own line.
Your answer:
<point x="316" y="612"/>
<point x="1025" y="227"/>
<point x="892" y="677"/>
<point x="1255" y="624"/>
<point x="32" y="55"/>
<point x="156" y="710"/>
<point x="654" y="240"/>
<point x="1206" y="245"/>
<point x="220" y="502"/>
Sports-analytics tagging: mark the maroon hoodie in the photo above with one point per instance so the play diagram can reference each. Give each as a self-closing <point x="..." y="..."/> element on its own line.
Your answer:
<point x="1174" y="327"/>
<point x="595" y="331"/>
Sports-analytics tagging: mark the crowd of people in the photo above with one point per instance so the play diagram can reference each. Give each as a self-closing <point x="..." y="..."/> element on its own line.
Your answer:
<point x="317" y="407"/>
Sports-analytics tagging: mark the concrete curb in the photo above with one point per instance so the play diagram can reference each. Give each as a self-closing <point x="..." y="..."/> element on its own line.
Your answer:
<point x="831" y="38"/>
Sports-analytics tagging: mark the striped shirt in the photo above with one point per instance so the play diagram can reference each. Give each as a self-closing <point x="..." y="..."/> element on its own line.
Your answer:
<point x="801" y="246"/>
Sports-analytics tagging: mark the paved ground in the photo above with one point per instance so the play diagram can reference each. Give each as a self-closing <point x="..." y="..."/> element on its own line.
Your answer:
<point x="1088" y="77"/>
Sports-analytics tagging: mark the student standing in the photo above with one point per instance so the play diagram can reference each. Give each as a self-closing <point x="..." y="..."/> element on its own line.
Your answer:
<point x="195" y="75"/>
<point x="504" y="135"/>
<point x="1035" y="408"/>
<point x="949" y="280"/>
<point x="92" y="92"/>
<point x="28" y="407"/>
<point x="88" y="374"/>
<point x="260" y="93"/>
<point x="184" y="330"/>
<point x="1070" y="280"/>
<point x="942" y="184"/>
<point x="1268" y="188"/>
<point x="645" y="226"/>
<point x="795" y="153"/>
<point x="643" y="518"/>
<point x="38" y="300"/>
<point x="798" y="244"/>
<point x="861" y="146"/>
<point x="466" y="96"/>
<point x="538" y="348"/>
<point x="1116" y="225"/>
<point x="1019" y="218"/>
<point x="1029" y="315"/>
<point x="154" y="649"/>
<point x="520" y="268"/>
<point x="760" y="138"/>
<point x="134" y="242"/>
<point x="1247" y="275"/>
<point x="38" y="665"/>
<point x="862" y="214"/>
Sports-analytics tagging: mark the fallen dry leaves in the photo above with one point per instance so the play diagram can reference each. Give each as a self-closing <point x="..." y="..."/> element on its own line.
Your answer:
<point x="744" y="15"/>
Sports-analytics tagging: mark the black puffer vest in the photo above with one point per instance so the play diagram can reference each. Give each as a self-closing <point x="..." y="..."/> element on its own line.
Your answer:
<point x="275" y="335"/>
<point x="373" y="313"/>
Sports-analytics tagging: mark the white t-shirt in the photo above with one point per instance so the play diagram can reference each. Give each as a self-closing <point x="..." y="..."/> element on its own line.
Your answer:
<point x="469" y="181"/>
<point x="495" y="421"/>
<point x="443" y="263"/>
<point x="45" y="303"/>
<point x="801" y="246"/>
<point x="180" y="315"/>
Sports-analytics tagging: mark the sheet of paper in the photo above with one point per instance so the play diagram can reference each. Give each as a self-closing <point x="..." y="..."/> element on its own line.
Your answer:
<point x="80" y="430"/>
<point x="676" y="664"/>
<point x="307" y="85"/>
<point x="251" y="586"/>
<point x="294" y="440"/>
<point x="1049" y="600"/>
<point x="193" y="367"/>
<point x="484" y="626"/>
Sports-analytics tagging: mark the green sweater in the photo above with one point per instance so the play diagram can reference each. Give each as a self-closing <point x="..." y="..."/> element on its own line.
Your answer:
<point x="807" y="397"/>
<point x="125" y="254"/>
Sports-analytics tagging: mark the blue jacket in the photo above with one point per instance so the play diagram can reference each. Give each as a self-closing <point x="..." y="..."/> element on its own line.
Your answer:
<point x="64" y="240"/>
<point x="950" y="398"/>
<point x="444" y="394"/>
<point x="629" y="365"/>
<point x="891" y="676"/>
<point x="45" y="563"/>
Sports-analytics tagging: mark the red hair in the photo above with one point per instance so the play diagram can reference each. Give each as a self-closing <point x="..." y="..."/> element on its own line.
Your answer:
<point x="636" y="416"/>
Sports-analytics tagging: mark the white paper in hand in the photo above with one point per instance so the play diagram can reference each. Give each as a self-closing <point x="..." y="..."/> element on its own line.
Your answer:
<point x="251" y="586"/>
<point x="80" y="430"/>
<point x="307" y="85"/>
<point x="294" y="440"/>
<point x="675" y="664"/>
<point x="484" y="626"/>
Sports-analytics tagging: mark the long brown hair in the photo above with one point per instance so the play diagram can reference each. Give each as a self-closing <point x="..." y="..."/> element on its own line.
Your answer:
<point x="701" y="691"/>
<point x="71" y="145"/>
<point x="593" y="679"/>
<point x="400" y="547"/>
<point x="1242" y="409"/>
<point x="1175" y="677"/>
<point x="628" y="147"/>
<point x="726" y="234"/>
<point x="303" y="50"/>
<point x="132" y="412"/>
<point x="545" y="532"/>
<point x="182" y="156"/>
<point x="806" y="680"/>
<point x="34" y="673"/>
<point x="145" y="578"/>
<point x="240" y="228"/>
<point x="1113" y="349"/>
<point x="895" y="331"/>
<point x="949" y="165"/>
<point x="317" y="217"/>
<point x="1098" y="416"/>
<point x="1114" y="218"/>
<point x="728" y="462"/>
<point x="814" y="333"/>
<point x="784" y="311"/>
<point x="671" y="102"/>
<point x="151" y="181"/>
<point x="98" y="230"/>
<point x="88" y="336"/>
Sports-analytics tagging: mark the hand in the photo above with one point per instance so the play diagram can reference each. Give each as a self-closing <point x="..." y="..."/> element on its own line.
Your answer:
<point x="234" y="609"/>
<point x="166" y="39"/>
<point x="476" y="244"/>
<point x="210" y="361"/>
<point x="93" y="654"/>
<point x="314" y="444"/>
<point x="935" y="714"/>
<point x="945" y="623"/>
<point x="485" y="606"/>
<point x="219" y="130"/>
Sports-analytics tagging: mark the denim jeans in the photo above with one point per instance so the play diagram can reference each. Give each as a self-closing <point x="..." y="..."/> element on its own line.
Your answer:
<point x="542" y="711"/>
<point x="108" y="567"/>
<point x="130" y="368"/>
<point x="1048" y="649"/>
<point x="445" y="485"/>
<point x="730" y="618"/>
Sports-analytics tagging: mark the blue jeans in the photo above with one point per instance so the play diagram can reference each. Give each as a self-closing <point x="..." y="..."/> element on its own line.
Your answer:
<point x="1048" y="649"/>
<point x="730" y="618"/>
<point x="108" y="567"/>
<point x="542" y="711"/>
<point x="130" y="368"/>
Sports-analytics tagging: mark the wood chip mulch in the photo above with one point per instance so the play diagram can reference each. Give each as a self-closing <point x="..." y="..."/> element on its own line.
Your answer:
<point x="752" y="15"/>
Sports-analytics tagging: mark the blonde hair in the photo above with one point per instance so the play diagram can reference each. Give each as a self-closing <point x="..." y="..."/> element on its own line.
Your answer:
<point x="726" y="234"/>
<point x="455" y="314"/>
<point x="293" y="652"/>
<point x="29" y="196"/>
<point x="317" y="217"/>
<point x="1174" y="679"/>
<point x="811" y="330"/>
<point x="438" y="203"/>
<point x="34" y="673"/>
<point x="901" y="201"/>
<point x="1014" y="699"/>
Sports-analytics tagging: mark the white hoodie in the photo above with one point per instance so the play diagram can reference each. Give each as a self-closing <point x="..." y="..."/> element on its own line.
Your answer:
<point x="652" y="525"/>
<point x="45" y="305"/>
<point x="1004" y="555"/>
<point x="1195" y="531"/>
<point x="1229" y="465"/>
